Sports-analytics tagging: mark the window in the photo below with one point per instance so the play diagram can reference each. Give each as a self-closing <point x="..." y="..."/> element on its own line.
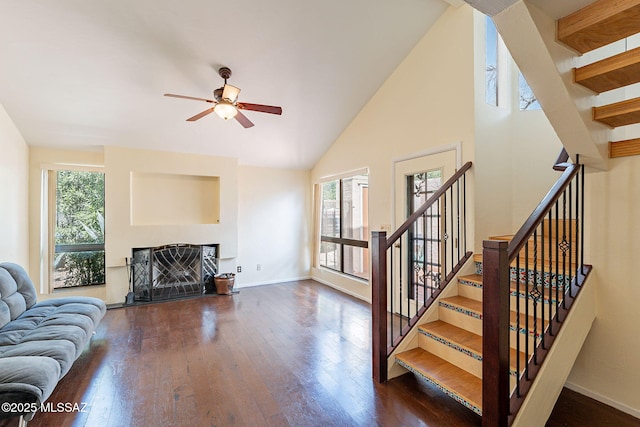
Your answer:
<point x="491" y="63"/>
<point x="344" y="225"/>
<point x="76" y="228"/>
<point x="494" y="51"/>
<point x="528" y="100"/>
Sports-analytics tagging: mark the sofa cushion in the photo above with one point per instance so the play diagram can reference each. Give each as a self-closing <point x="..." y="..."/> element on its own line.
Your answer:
<point x="24" y="284"/>
<point x="71" y="319"/>
<point x="17" y="292"/>
<point x="11" y="303"/>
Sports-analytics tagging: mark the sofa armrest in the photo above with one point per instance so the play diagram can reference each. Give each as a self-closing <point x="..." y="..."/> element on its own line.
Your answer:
<point x="24" y="381"/>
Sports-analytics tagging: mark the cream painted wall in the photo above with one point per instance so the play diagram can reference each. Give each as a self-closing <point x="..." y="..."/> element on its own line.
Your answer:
<point x="274" y="217"/>
<point x="14" y="166"/>
<point x="258" y="206"/>
<point x="426" y="103"/>
<point x="515" y="151"/>
<point x="606" y="368"/>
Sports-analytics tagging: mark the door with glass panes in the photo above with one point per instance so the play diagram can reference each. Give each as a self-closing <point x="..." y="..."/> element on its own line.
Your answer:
<point x="417" y="256"/>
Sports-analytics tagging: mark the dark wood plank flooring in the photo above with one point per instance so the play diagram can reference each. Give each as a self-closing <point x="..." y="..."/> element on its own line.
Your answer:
<point x="292" y="354"/>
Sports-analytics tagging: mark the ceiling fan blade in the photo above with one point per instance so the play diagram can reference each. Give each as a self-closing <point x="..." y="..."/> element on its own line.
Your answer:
<point x="261" y="108"/>
<point x="200" y="115"/>
<point x="243" y="120"/>
<point x="189" y="97"/>
<point x="230" y="93"/>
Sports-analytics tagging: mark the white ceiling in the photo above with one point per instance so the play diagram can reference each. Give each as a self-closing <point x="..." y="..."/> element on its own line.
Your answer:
<point x="89" y="73"/>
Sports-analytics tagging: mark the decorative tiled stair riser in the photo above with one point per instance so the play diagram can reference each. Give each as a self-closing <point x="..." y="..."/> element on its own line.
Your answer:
<point x="514" y="292"/>
<point x="546" y="279"/>
<point x="439" y="386"/>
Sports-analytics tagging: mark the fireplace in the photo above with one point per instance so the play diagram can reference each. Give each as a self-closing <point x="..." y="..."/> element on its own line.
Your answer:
<point x="173" y="271"/>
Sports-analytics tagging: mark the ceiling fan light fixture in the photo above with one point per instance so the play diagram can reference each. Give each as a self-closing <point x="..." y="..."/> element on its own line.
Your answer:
<point x="230" y="93"/>
<point x="225" y="110"/>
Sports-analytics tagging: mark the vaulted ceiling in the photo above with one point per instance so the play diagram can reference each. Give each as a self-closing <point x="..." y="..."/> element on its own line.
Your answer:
<point x="84" y="74"/>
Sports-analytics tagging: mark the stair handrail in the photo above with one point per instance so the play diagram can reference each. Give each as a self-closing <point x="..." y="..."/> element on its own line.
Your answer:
<point x="500" y="260"/>
<point x="382" y="248"/>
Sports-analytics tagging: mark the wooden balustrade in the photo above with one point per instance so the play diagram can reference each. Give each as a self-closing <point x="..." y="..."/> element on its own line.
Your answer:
<point x="400" y="296"/>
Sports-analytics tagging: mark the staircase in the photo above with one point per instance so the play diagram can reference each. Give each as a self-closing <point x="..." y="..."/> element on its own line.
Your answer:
<point x="501" y="336"/>
<point x="449" y="351"/>
<point x="597" y="25"/>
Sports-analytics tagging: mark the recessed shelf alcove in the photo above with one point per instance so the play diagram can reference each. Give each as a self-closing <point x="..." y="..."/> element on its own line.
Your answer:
<point x="174" y="199"/>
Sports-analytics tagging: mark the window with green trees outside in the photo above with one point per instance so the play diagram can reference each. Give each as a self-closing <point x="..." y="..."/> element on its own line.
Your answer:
<point x="78" y="256"/>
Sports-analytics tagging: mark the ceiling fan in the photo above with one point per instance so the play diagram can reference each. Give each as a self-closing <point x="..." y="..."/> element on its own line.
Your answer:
<point x="226" y="103"/>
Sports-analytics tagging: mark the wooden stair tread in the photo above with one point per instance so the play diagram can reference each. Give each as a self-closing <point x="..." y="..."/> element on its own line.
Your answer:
<point x="454" y="334"/>
<point x="463" y="338"/>
<point x="452" y="380"/>
<point x="610" y="73"/>
<point x="464" y="303"/>
<point x="621" y="113"/>
<point x="474" y="278"/>
<point x="598" y="24"/>
<point x="628" y="147"/>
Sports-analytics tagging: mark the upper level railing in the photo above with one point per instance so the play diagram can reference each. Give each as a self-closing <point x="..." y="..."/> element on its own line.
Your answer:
<point x="413" y="265"/>
<point x="529" y="284"/>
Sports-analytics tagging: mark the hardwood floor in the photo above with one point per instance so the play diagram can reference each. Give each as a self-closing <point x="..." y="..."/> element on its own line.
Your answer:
<point x="292" y="354"/>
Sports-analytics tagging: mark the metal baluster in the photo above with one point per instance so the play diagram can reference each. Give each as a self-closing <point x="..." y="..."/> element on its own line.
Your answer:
<point x="464" y="211"/>
<point x="458" y="217"/>
<point x="558" y="284"/>
<point x="550" y="302"/>
<point x="426" y="237"/>
<point x="526" y="307"/>
<point x="564" y="243"/>
<point x="534" y="296"/>
<point x="543" y="283"/>
<point x="518" y="325"/>
<point x="452" y="235"/>
<point x="437" y="244"/>
<point x="391" y="288"/>
<point x="582" y="209"/>
<point x="571" y="228"/>
<point x="444" y="237"/>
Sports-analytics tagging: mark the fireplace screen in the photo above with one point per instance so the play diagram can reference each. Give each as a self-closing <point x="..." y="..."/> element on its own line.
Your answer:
<point x="173" y="271"/>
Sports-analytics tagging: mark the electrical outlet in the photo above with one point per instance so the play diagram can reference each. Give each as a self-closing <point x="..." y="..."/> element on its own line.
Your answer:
<point x="258" y="267"/>
<point x="239" y="269"/>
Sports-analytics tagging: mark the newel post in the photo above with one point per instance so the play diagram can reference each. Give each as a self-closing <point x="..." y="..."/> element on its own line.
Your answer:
<point x="495" y="333"/>
<point x="379" y="304"/>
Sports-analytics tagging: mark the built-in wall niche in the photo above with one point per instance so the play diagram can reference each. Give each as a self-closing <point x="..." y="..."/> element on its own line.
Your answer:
<point x="174" y="199"/>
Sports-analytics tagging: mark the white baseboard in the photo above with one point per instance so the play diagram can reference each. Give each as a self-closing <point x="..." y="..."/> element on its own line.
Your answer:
<point x="272" y="282"/>
<point x="603" y="399"/>
<point x="343" y="290"/>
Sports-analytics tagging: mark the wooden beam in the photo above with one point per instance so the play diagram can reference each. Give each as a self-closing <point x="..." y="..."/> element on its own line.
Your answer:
<point x="599" y="24"/>
<point x="629" y="147"/>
